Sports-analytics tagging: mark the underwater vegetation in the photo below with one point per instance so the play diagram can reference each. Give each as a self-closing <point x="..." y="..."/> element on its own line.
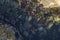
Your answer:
<point x="28" y="20"/>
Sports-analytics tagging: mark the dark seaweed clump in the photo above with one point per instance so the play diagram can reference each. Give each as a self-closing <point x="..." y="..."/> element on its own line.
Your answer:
<point x="26" y="20"/>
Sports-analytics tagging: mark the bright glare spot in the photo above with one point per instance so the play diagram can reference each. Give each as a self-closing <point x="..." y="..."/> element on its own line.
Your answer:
<point x="50" y="3"/>
<point x="57" y="19"/>
<point x="58" y="2"/>
<point x="50" y="25"/>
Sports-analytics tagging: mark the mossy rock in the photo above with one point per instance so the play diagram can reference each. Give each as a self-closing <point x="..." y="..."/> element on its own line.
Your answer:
<point x="35" y="1"/>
